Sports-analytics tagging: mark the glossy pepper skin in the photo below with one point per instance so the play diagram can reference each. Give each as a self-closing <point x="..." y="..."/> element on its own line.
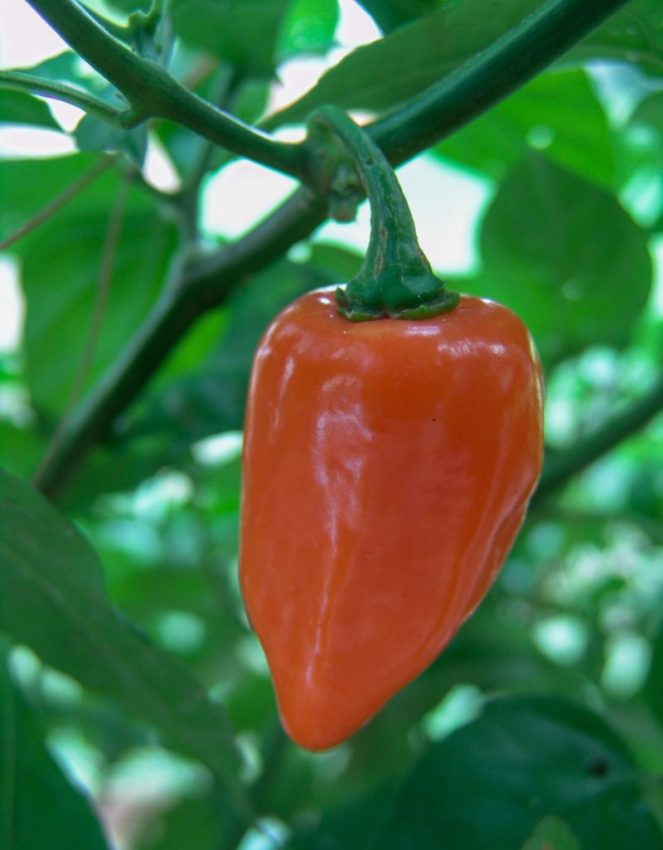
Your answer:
<point x="387" y="469"/>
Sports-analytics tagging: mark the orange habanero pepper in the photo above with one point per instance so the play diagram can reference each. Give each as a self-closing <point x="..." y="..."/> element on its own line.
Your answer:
<point x="387" y="469"/>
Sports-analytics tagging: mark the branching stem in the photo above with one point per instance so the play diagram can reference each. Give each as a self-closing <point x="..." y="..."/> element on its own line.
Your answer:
<point x="153" y="93"/>
<point x="202" y="283"/>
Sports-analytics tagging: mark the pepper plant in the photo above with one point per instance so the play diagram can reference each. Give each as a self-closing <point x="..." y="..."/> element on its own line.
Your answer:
<point x="125" y="648"/>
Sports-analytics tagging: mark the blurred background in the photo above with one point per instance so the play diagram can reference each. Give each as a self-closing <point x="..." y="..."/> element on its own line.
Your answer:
<point x="551" y="203"/>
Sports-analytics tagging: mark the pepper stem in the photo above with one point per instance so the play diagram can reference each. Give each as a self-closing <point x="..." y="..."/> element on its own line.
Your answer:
<point x="395" y="279"/>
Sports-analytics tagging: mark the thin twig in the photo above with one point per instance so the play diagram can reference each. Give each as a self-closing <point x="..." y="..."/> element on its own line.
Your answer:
<point x="60" y="201"/>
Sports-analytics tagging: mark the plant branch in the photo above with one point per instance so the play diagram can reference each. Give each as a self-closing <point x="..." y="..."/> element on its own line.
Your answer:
<point x="202" y="283"/>
<point x="152" y="92"/>
<point x="34" y="84"/>
<point x="563" y="465"/>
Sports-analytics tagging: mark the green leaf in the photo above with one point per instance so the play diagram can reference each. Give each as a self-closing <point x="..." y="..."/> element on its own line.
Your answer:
<point x="308" y="28"/>
<point x="381" y="75"/>
<point x="633" y="35"/>
<point x="19" y="108"/>
<point x="61" y="274"/>
<point x="28" y="185"/>
<point x="488" y="785"/>
<point x="552" y="834"/>
<point x="391" y="14"/>
<point x="52" y="600"/>
<point x="558" y="111"/>
<point x="242" y="32"/>
<point x="566" y="257"/>
<point x="40" y="808"/>
<point x="20" y="449"/>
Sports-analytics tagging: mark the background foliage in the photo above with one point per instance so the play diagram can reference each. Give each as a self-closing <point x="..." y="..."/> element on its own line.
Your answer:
<point x="132" y="692"/>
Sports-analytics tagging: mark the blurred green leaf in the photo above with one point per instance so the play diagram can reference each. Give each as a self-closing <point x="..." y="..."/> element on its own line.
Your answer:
<point x="552" y="834"/>
<point x="391" y="14"/>
<point x="60" y="274"/>
<point x="242" y="32"/>
<point x="40" y="808"/>
<point x="21" y="449"/>
<point x="634" y="35"/>
<point x="566" y="257"/>
<point x="35" y="537"/>
<point x="491" y="782"/>
<point x="382" y="74"/>
<point x="558" y="111"/>
<point x="19" y="108"/>
<point x="28" y="185"/>
<point x="308" y="28"/>
<point x="52" y="599"/>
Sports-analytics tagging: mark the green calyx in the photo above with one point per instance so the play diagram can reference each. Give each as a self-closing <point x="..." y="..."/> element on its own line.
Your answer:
<point x="358" y="311"/>
<point x="395" y="280"/>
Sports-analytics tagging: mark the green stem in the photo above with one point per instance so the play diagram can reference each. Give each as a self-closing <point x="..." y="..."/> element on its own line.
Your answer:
<point x="395" y="279"/>
<point x="154" y="93"/>
<point x="34" y="84"/>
